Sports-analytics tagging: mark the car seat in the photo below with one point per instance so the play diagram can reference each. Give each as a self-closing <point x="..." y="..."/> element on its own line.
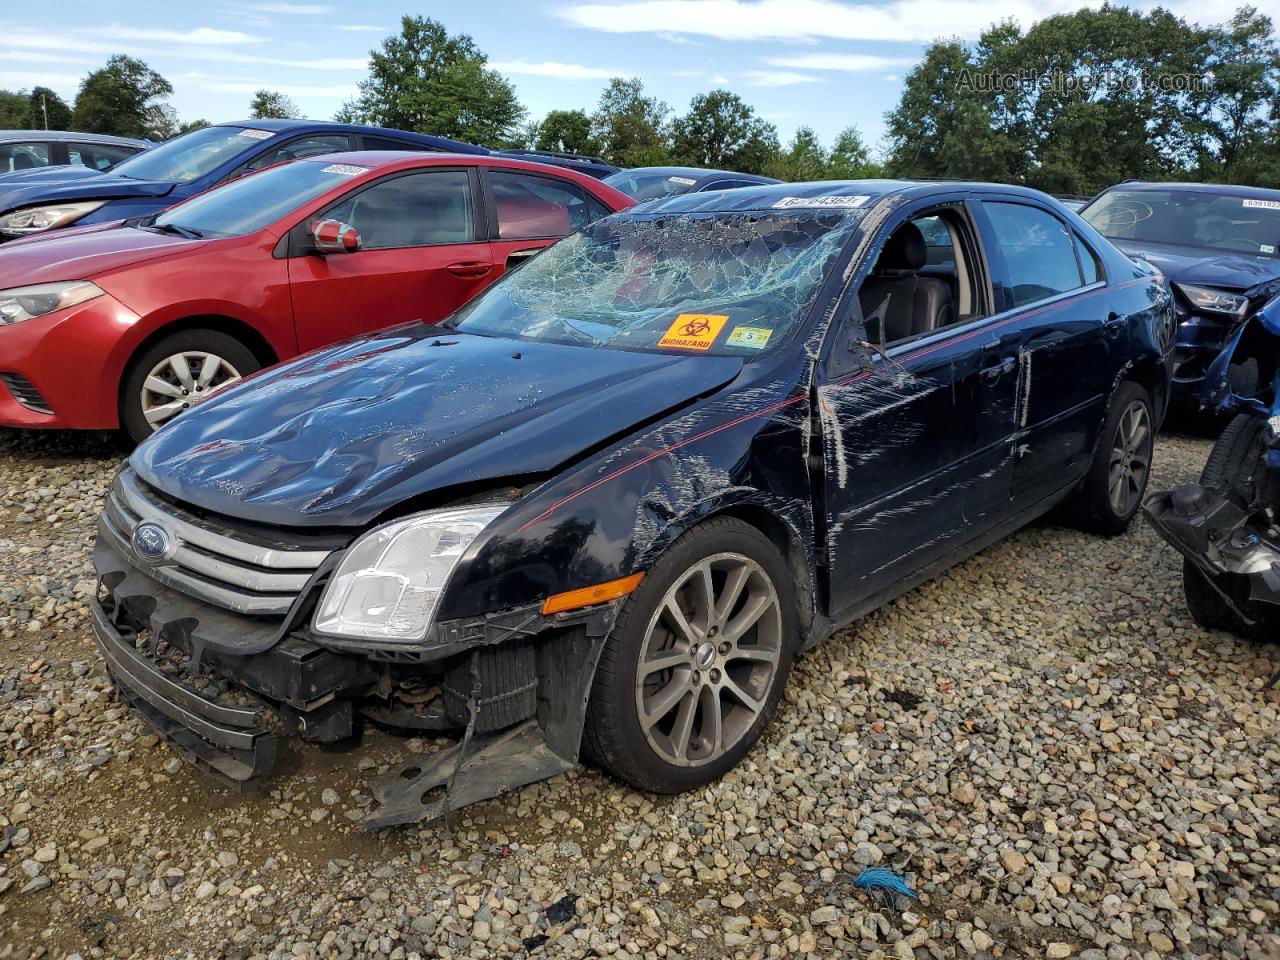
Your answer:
<point x="896" y="299"/>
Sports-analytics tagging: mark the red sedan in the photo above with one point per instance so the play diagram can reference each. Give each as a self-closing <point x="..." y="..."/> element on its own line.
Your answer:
<point x="128" y="324"/>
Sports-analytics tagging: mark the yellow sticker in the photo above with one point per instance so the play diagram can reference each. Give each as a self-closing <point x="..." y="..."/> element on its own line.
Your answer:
<point x="693" y="331"/>
<point x="753" y="337"/>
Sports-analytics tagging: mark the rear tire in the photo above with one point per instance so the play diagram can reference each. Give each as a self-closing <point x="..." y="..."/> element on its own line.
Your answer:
<point x="683" y="725"/>
<point x="1235" y="462"/>
<point x="176" y="372"/>
<point x="1117" y="479"/>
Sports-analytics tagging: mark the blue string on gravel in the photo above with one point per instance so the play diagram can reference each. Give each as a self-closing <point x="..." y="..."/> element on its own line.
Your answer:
<point x="884" y="882"/>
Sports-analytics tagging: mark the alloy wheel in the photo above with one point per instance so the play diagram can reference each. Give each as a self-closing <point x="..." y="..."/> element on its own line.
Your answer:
<point x="178" y="381"/>
<point x="709" y="659"/>
<point x="1130" y="460"/>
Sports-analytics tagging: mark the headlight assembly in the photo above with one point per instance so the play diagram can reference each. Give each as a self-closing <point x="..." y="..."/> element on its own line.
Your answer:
<point x="1214" y="301"/>
<point x="390" y="581"/>
<point x="23" y="303"/>
<point x="19" y="223"/>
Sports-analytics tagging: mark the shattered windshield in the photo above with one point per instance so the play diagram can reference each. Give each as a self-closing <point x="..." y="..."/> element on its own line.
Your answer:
<point x="717" y="283"/>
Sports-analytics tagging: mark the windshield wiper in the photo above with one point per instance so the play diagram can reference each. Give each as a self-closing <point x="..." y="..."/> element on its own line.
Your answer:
<point x="188" y="232"/>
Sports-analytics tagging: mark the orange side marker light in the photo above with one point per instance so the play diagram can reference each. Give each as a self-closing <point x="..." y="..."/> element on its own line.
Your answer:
<point x="586" y="596"/>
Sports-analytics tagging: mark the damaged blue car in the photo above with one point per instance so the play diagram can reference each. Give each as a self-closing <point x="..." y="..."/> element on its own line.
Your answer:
<point x="600" y="509"/>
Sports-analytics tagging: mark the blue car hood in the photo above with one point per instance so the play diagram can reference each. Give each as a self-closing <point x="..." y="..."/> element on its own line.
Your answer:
<point x="64" y="173"/>
<point x="96" y="186"/>
<point x="1231" y="271"/>
<point x="341" y="436"/>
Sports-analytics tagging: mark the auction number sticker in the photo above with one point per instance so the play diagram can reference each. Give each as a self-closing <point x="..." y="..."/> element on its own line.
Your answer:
<point x="839" y="201"/>
<point x="1263" y="204"/>
<point x="685" y="181"/>
<point x="346" y="169"/>
<point x="694" y="331"/>
<point x="753" y="337"/>
<point x="256" y="134"/>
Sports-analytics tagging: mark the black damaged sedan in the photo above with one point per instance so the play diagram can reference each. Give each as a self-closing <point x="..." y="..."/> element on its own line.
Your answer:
<point x="603" y="506"/>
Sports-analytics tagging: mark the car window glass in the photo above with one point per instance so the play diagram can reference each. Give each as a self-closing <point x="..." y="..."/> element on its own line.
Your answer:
<point x="596" y="209"/>
<point x="190" y="156"/>
<point x="923" y="280"/>
<point x="416" y="210"/>
<point x="303" y="147"/>
<point x="23" y="156"/>
<point x="97" y="156"/>
<point x="530" y="207"/>
<point x="1089" y="262"/>
<point x="1038" y="252"/>
<point x="1196" y="218"/>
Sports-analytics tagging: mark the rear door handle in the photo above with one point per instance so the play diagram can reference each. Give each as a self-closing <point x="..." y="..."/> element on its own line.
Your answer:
<point x="1114" y="324"/>
<point x="1000" y="369"/>
<point x="469" y="268"/>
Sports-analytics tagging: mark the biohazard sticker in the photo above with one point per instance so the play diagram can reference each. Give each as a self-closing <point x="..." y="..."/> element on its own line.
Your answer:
<point x="693" y="331"/>
<point x="255" y="134"/>
<point x="753" y="337"/>
<point x="346" y="169"/>
<point x="840" y="202"/>
<point x="1263" y="204"/>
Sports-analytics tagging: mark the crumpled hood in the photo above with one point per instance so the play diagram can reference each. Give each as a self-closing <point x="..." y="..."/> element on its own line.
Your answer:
<point x="340" y="436"/>
<point x="1230" y="271"/>
<point x="99" y="186"/>
<point x="83" y="255"/>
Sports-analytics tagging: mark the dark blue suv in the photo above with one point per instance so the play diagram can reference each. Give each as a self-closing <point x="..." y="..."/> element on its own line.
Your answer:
<point x="1218" y="245"/>
<point x="34" y="201"/>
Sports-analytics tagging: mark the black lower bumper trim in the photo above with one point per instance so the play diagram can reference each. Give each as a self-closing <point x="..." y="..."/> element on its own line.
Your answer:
<point x="223" y="739"/>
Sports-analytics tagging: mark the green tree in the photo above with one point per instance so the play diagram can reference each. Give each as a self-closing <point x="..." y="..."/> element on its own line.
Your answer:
<point x="271" y="104"/>
<point x="125" y="98"/>
<point x="804" y="159"/>
<point x="43" y="104"/>
<point x="850" y="159"/>
<point x="722" y="130"/>
<point x="630" y="127"/>
<point x="431" y="81"/>
<point x="568" y="130"/>
<point x="13" y="110"/>
<point x="198" y="124"/>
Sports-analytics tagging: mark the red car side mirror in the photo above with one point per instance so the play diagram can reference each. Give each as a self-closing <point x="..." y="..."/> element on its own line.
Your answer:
<point x="334" y="236"/>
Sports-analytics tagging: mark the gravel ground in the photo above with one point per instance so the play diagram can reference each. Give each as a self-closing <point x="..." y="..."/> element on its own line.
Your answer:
<point x="1057" y="758"/>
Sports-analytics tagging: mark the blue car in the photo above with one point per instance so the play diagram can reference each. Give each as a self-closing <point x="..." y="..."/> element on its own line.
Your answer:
<point x="182" y="167"/>
<point x="1218" y="245"/>
<point x="654" y="183"/>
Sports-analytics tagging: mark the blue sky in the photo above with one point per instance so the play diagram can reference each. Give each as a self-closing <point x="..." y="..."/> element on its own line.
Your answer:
<point x="824" y="63"/>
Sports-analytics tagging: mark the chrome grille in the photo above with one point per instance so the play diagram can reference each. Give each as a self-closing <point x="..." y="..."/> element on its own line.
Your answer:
<point x="209" y="561"/>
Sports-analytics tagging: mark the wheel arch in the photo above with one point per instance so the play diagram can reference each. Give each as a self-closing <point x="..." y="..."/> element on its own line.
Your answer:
<point x="1150" y="374"/>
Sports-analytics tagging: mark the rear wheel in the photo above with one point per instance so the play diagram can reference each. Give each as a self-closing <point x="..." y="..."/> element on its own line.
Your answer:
<point x="176" y="372"/>
<point x="1117" y="479"/>
<point x="697" y="661"/>
<point x="1236" y="462"/>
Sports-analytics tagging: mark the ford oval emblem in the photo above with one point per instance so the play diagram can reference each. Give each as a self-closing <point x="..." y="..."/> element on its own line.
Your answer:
<point x="152" y="542"/>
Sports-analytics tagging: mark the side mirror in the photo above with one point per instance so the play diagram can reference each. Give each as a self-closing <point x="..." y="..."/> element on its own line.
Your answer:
<point x="334" y="236"/>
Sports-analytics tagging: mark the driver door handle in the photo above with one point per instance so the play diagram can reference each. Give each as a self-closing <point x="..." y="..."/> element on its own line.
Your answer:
<point x="1000" y="369"/>
<point x="469" y="268"/>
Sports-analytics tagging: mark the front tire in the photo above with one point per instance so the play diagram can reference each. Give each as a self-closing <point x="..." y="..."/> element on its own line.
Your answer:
<point x="697" y="661"/>
<point x="176" y="372"/>
<point x="1117" y="480"/>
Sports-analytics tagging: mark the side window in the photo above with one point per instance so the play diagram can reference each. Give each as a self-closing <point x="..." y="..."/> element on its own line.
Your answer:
<point x="23" y="156"/>
<point x="417" y="210"/>
<point x="383" y="143"/>
<point x="302" y="147"/>
<point x="97" y="156"/>
<point x="534" y="207"/>
<point x="1089" y="262"/>
<point x="596" y="209"/>
<point x="1038" y="252"/>
<point x="923" y="279"/>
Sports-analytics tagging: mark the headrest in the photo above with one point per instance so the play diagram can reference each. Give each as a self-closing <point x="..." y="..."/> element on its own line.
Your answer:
<point x="23" y="161"/>
<point x="904" y="251"/>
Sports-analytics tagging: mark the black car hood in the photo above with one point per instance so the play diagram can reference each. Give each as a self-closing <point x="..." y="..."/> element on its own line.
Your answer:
<point x="1230" y="271"/>
<point x="102" y="186"/>
<point x="343" y="435"/>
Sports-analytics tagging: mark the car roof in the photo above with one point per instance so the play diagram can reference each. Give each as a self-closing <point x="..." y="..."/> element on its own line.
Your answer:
<point x="767" y="196"/>
<point x="277" y="125"/>
<point x="699" y="173"/>
<point x="1219" y="189"/>
<point x="72" y="136"/>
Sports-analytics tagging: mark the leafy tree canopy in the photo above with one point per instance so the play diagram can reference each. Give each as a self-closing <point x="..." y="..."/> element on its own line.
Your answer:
<point x="125" y="98"/>
<point x="568" y="130"/>
<point x="630" y="127"/>
<point x="272" y="105"/>
<point x="722" y="130"/>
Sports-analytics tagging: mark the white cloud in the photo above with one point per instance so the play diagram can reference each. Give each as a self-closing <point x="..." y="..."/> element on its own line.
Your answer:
<point x="288" y="9"/>
<point x="200" y="36"/>
<point x="778" y="78"/>
<point x="362" y="28"/>
<point x="912" y="21"/>
<point x="562" y="71"/>
<point x="32" y="56"/>
<point x="848" y="62"/>
<point x="678" y="38"/>
<point x="334" y="91"/>
<point x="719" y="80"/>
<point x="17" y="79"/>
<point x="315" y="63"/>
